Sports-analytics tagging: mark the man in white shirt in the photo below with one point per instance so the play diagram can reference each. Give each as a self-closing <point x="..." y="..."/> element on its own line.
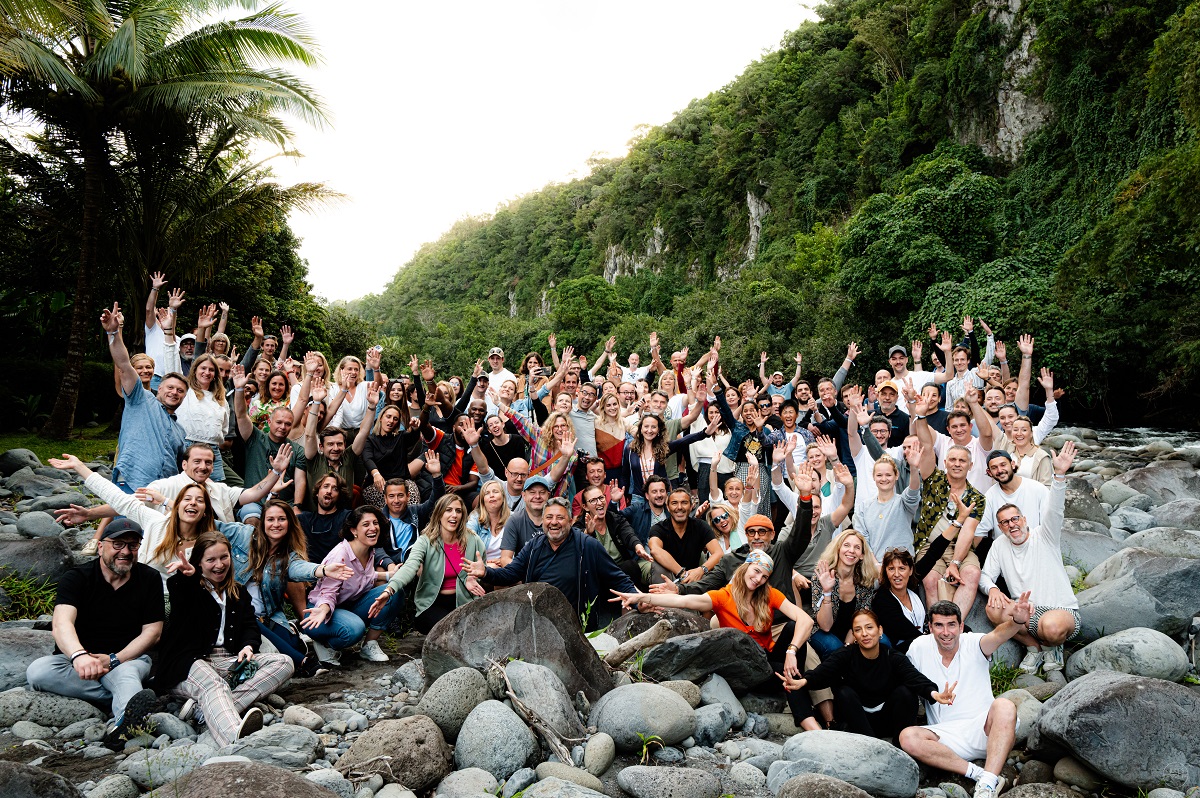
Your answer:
<point x="1030" y="560"/>
<point x="498" y="374"/>
<point x="975" y="725"/>
<point x="898" y="360"/>
<point x="958" y="425"/>
<point x="1010" y="488"/>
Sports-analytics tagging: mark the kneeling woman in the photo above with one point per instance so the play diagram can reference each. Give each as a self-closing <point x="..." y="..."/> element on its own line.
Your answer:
<point x="337" y="614"/>
<point x="212" y="640"/>
<point x="875" y="689"/>
<point x="438" y="557"/>
<point x="748" y="603"/>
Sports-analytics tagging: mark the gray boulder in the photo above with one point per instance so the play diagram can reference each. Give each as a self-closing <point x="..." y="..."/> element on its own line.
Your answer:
<point x="1082" y="503"/>
<point x="533" y="622"/>
<point x="333" y="781"/>
<point x="729" y="652"/>
<point x="1086" y="550"/>
<point x="152" y="769"/>
<point x="452" y="697"/>
<point x="1167" y="542"/>
<point x="540" y="690"/>
<point x="1040" y="790"/>
<point x="411" y="677"/>
<point x="1183" y="513"/>
<point x="31" y="485"/>
<point x="815" y="785"/>
<point x="599" y="753"/>
<point x="60" y="501"/>
<point x="42" y="558"/>
<point x="1115" y="492"/>
<point x="642" y="781"/>
<point x="27" y="781"/>
<point x="39" y="525"/>
<point x="558" y="770"/>
<point x="713" y="722"/>
<point x="869" y="764"/>
<point x="300" y="715"/>
<point x="1164" y="481"/>
<point x="1137" y="651"/>
<point x="1130" y="729"/>
<point x="118" y="785"/>
<point x="1132" y="519"/>
<point x="469" y="781"/>
<point x="645" y="708"/>
<point x="14" y="460"/>
<point x="241" y="779"/>
<point x="1117" y="565"/>
<point x="494" y="739"/>
<point x="171" y="725"/>
<point x="682" y="622"/>
<point x="1162" y="593"/>
<point x="281" y="745"/>
<point x="716" y="690"/>
<point x="519" y="781"/>
<point x="18" y="648"/>
<point x="554" y="787"/>
<point x="420" y="756"/>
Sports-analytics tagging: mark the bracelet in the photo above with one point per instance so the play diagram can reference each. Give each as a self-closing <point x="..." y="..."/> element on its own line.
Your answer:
<point x="172" y="311"/>
<point x="956" y="563"/>
<point x="793" y="648"/>
<point x="956" y="523"/>
<point x="78" y="654"/>
<point x="807" y="498"/>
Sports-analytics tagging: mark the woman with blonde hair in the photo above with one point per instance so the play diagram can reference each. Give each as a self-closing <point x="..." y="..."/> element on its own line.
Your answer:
<point x="845" y="580"/>
<point x="264" y="403"/>
<point x="748" y="603"/>
<point x="203" y="414"/>
<point x="350" y="404"/>
<point x="551" y="443"/>
<point x="610" y="434"/>
<point x="489" y="519"/>
<point x="438" y="561"/>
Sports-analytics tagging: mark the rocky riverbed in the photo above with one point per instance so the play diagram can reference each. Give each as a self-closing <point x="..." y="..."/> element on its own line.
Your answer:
<point x="512" y="699"/>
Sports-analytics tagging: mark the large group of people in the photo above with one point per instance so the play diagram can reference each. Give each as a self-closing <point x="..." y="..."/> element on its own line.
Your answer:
<point x="851" y="522"/>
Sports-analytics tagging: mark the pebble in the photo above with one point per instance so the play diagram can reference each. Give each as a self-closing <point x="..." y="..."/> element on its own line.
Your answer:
<point x="668" y="755"/>
<point x="519" y="781"/>
<point x="599" y="753"/>
<point x="557" y="770"/>
<point x="1076" y="774"/>
<point x="28" y="730"/>
<point x="747" y="776"/>
<point x="117" y="785"/>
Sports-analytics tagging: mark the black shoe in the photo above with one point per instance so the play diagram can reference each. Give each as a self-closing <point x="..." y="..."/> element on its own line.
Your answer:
<point x="139" y="707"/>
<point x="308" y="667"/>
<point x="252" y="722"/>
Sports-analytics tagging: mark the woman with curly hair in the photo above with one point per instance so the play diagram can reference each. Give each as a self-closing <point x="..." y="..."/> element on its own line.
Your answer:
<point x="646" y="453"/>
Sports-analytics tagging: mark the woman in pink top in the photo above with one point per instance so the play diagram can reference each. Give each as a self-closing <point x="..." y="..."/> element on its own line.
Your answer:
<point x="337" y="614"/>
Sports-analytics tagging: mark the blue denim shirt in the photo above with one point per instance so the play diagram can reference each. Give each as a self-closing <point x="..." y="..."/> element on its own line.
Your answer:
<point x="272" y="585"/>
<point x="739" y="431"/>
<point x="151" y="444"/>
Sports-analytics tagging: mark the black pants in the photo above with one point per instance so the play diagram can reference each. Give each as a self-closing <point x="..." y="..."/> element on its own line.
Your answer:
<point x="899" y="712"/>
<point x="798" y="700"/>
<point x="442" y="606"/>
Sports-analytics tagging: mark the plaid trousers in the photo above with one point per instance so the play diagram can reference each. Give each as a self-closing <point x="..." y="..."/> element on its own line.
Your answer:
<point x="223" y="707"/>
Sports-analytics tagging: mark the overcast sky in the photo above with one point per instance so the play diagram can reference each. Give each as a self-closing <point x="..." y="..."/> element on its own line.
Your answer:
<point x="447" y="110"/>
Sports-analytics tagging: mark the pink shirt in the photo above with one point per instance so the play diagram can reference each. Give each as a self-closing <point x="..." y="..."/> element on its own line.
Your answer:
<point x="332" y="592"/>
<point x="454" y="564"/>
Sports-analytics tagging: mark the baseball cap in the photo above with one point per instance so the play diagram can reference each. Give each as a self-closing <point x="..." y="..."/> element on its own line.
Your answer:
<point x="897" y="348"/>
<point x="496" y="351"/>
<point x="121" y="527"/>
<point x="186" y="337"/>
<point x="997" y="453"/>
<point x="778" y="373"/>
<point x="889" y="384"/>
<point x="538" y="480"/>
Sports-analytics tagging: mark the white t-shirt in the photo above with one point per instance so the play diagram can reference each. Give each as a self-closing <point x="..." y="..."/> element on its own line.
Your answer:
<point x="203" y="420"/>
<point x="635" y="375"/>
<point x="970" y="668"/>
<point x="497" y="378"/>
<point x="155" y="342"/>
<point x="1036" y="565"/>
<point x="978" y="475"/>
<point x="224" y="498"/>
<point x="350" y="413"/>
<point x="1030" y="496"/>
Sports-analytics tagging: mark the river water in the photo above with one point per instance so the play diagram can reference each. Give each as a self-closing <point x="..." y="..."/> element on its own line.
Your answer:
<point x="1133" y="438"/>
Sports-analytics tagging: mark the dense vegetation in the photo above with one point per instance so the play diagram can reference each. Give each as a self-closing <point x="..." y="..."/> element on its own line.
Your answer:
<point x="871" y="134"/>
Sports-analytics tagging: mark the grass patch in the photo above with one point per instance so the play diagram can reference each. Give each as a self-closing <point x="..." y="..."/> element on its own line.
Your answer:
<point x="87" y="444"/>
<point x="30" y="597"/>
<point x="1003" y="677"/>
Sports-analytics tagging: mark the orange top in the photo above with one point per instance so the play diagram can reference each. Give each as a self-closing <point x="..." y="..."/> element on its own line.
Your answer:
<point x="727" y="613"/>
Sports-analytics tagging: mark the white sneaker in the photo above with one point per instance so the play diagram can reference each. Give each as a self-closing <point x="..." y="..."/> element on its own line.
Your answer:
<point x="1032" y="661"/>
<point x="1054" y="659"/>
<point x="989" y="786"/>
<point x="188" y="709"/>
<point x="326" y="654"/>
<point x="90" y="549"/>
<point x="372" y="652"/>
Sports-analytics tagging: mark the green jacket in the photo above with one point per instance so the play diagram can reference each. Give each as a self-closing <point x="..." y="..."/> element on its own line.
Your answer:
<point x="432" y="556"/>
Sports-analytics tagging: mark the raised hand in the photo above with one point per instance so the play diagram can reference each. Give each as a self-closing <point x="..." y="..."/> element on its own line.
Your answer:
<point x="157" y="280"/>
<point x="373" y="394"/>
<point x="552" y="339"/>
<point x="964" y="510"/>
<point x="615" y="492"/>
<point x="175" y="298"/>
<point x="947" y="694"/>
<point x="917" y="349"/>
<point x="68" y="462"/>
<point x="763" y="358"/>
<point x="433" y="463"/>
<point x="414" y="365"/>
<point x="478" y="370"/>
<point x="610" y="343"/>
<point x="109" y="318"/>
<point x="427" y="372"/>
<point x="806" y="479"/>
<point x="224" y="306"/>
<point x="933" y="331"/>
<point x="150" y="497"/>
<point x="986" y="329"/>
<point x="238" y="375"/>
<point x="567" y="445"/>
<point x="372" y="358"/>
<point x="320" y="391"/>
<point x="716" y="347"/>
<point x="827" y="447"/>
<point x="1001" y="351"/>
<point x="180" y="565"/>
<point x="207" y="317"/>
<point x="852" y="351"/>
<point x="968" y="325"/>
<point x="825" y="577"/>
<point x="799" y="359"/>
<point x="282" y="458"/>
<point x="72" y="516"/>
<point x="470" y="435"/>
<point x="1065" y="457"/>
<point x="1046" y="380"/>
<point x="286" y="335"/>
<point x="1025" y="344"/>
<point x="842" y="474"/>
<point x="913" y="455"/>
<point x="946" y="344"/>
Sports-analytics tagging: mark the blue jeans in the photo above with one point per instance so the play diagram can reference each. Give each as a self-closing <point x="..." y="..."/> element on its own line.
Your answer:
<point x="55" y="674"/>
<point x="283" y="639"/>
<point x="349" y="621"/>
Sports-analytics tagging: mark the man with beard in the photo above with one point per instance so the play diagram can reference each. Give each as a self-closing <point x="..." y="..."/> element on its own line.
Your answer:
<point x="1010" y="488"/>
<point x="108" y="613"/>
<point x="406" y="520"/>
<point x="566" y="558"/>
<point x="323" y="527"/>
<point x="642" y="516"/>
<point x="888" y="393"/>
<point x="682" y="546"/>
<point x="608" y="526"/>
<point x="332" y="455"/>
<point x="261" y="448"/>
<point x="526" y="523"/>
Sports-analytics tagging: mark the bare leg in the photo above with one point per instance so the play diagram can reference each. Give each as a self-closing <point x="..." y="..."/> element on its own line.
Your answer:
<point x="923" y="746"/>
<point x="968" y="588"/>
<point x="1055" y="626"/>
<point x="1001" y="728"/>
<point x="295" y="594"/>
<point x="1023" y="637"/>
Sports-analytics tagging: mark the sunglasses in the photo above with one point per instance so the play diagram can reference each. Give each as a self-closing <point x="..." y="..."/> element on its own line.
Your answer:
<point x="720" y="519"/>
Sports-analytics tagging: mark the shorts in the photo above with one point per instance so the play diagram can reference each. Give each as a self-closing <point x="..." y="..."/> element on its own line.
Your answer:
<point x="944" y="562"/>
<point x="1039" y="611"/>
<point x="966" y="736"/>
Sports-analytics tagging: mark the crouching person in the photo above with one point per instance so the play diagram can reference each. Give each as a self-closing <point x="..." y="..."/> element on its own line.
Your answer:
<point x="107" y="615"/>
<point x="209" y="652"/>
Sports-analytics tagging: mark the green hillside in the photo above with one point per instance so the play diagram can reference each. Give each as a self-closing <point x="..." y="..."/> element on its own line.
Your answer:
<point x="892" y="164"/>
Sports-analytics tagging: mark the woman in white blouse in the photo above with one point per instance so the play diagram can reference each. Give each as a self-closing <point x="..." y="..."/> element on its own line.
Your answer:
<point x="203" y="414"/>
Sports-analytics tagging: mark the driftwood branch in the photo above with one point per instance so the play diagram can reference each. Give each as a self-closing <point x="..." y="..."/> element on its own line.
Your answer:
<point x="557" y="743"/>
<point x="355" y="772"/>
<point x="651" y="637"/>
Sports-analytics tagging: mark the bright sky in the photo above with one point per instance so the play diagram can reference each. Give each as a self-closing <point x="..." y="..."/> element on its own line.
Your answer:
<point x="447" y="110"/>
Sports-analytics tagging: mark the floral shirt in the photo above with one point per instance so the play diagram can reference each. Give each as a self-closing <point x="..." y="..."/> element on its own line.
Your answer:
<point x="938" y="509"/>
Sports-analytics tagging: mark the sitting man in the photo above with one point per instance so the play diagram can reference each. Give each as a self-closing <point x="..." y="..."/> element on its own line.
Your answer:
<point x="683" y="547"/>
<point x="1030" y="560"/>
<point x="107" y="615"/>
<point x="608" y="526"/>
<point x="976" y="725"/>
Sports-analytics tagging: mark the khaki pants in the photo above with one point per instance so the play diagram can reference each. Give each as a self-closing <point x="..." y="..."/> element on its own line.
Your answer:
<point x="945" y="589"/>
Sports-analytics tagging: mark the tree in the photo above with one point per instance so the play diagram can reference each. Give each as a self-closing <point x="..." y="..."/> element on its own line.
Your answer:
<point x="88" y="72"/>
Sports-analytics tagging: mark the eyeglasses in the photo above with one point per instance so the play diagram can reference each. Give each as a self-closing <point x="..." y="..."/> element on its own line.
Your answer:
<point x="596" y="499"/>
<point x="125" y="545"/>
<point x="516" y="474"/>
<point x="758" y="531"/>
<point x="1008" y="521"/>
<point x="720" y="519"/>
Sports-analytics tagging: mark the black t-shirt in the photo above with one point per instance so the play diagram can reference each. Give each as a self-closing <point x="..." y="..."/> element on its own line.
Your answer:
<point x="498" y="457"/>
<point x="322" y="532"/>
<point x="107" y="620"/>
<point x="690" y="550"/>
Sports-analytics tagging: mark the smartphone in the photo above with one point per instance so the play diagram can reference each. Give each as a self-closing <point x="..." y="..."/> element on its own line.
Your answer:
<point x="377" y="348"/>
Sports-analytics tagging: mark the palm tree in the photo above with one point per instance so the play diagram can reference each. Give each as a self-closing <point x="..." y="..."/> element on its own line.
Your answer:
<point x="85" y="71"/>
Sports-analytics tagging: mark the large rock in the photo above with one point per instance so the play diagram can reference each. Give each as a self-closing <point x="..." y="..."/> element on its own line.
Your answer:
<point x="31" y="485"/>
<point x="152" y="769"/>
<point x="729" y="652"/>
<point x="452" y="697"/>
<point x="869" y="764"/>
<point x="39" y="525"/>
<point x="42" y="558"/>
<point x="1183" y="513"/>
<point x="419" y="755"/>
<point x="716" y="690"/>
<point x="641" y="781"/>
<point x="60" y="501"/>
<point x="281" y="745"/>
<point x="14" y="460"/>
<point x="1131" y="518"/>
<point x="1086" y="550"/>
<point x="540" y="690"/>
<point x="470" y="781"/>
<point x="713" y="722"/>
<point x="1137" y="651"/>
<point x="682" y="622"/>
<point x="1167" y="541"/>
<point x="494" y="739"/>
<point x="46" y="709"/>
<point x="554" y="787"/>
<point x="533" y="622"/>
<point x="1082" y="503"/>
<point x="1117" y="565"/>
<point x="18" y="648"/>
<point x="645" y="708"/>
<point x="1115" y="492"/>
<point x="1162" y="593"/>
<point x="241" y="779"/>
<point x="1164" y="481"/>
<point x="18" y="780"/>
<point x="1135" y="731"/>
<point x="815" y="785"/>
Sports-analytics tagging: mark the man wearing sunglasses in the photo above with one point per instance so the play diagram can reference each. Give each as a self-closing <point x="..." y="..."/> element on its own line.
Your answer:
<point x="107" y="615"/>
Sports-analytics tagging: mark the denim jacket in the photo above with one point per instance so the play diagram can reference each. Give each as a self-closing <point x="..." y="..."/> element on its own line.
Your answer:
<point x="739" y="432"/>
<point x="271" y="588"/>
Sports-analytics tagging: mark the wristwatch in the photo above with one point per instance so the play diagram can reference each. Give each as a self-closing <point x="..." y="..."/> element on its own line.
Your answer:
<point x="956" y="563"/>
<point x="113" y="662"/>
